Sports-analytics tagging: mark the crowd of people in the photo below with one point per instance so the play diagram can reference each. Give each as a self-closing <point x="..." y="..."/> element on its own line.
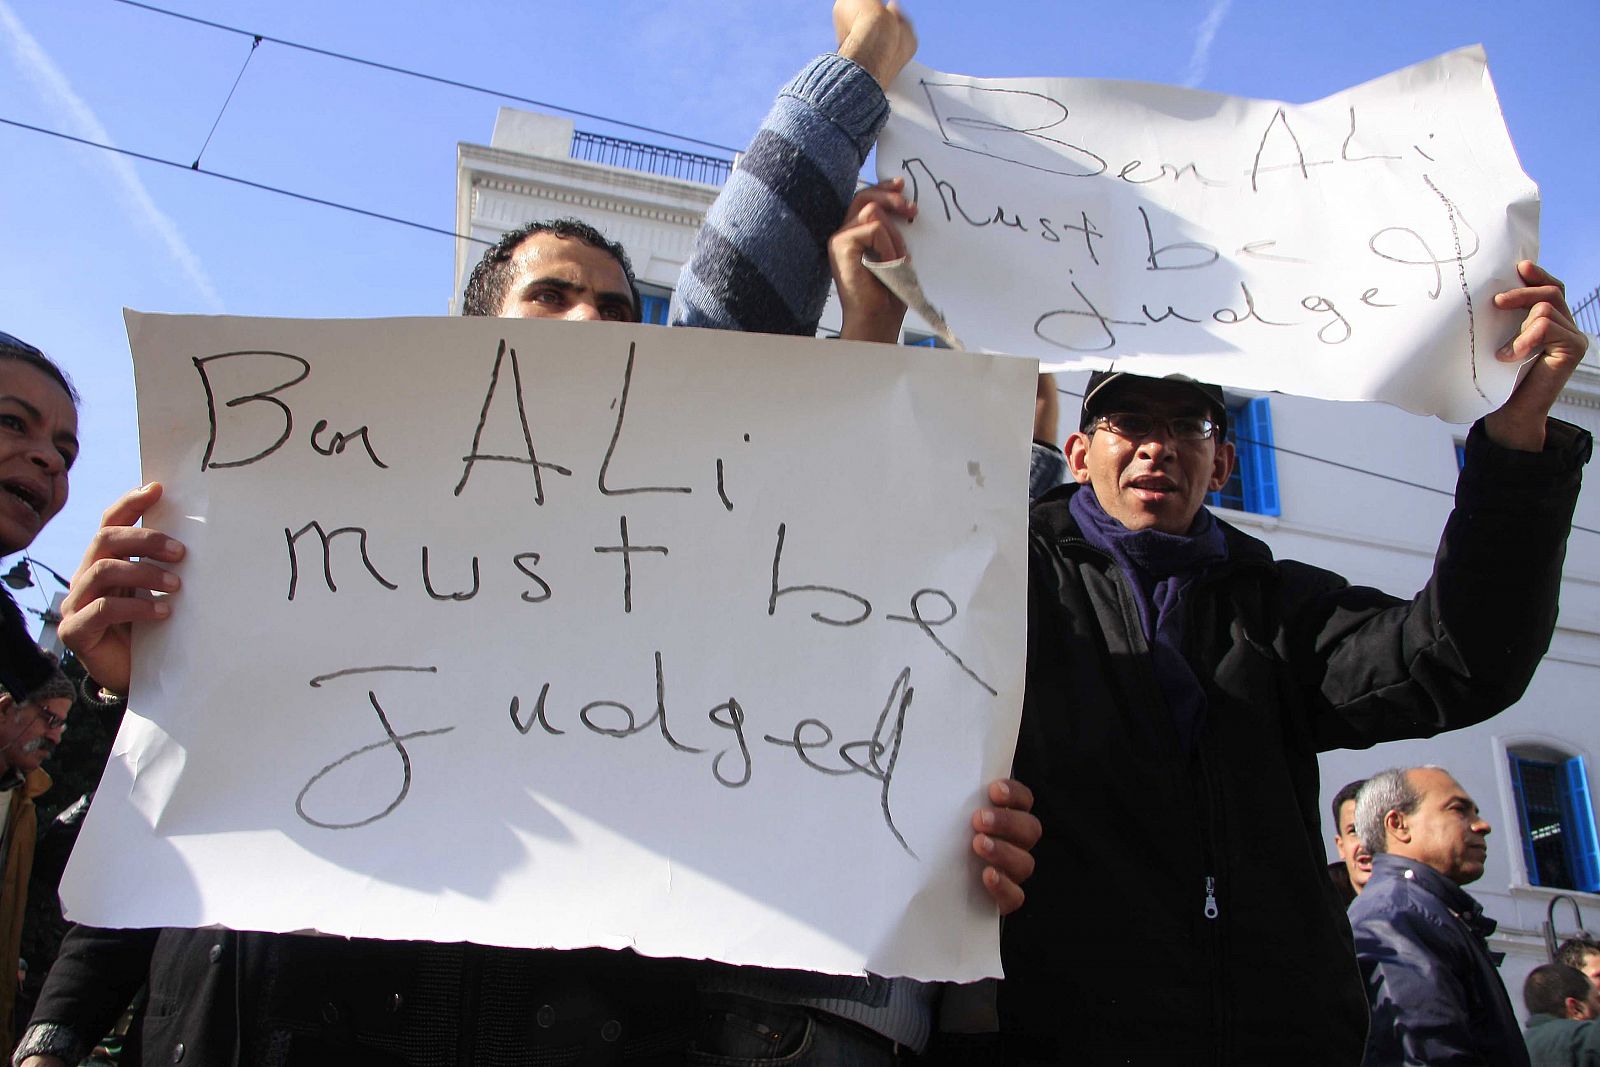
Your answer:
<point x="1180" y="685"/>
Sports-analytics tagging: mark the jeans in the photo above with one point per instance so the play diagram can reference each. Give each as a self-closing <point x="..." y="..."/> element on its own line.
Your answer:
<point x="739" y="1031"/>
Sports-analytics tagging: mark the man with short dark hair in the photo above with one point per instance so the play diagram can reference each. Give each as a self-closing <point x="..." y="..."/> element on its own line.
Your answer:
<point x="1581" y="953"/>
<point x="1432" y="986"/>
<point x="1354" y="865"/>
<point x="1562" y="1008"/>
<point x="556" y="268"/>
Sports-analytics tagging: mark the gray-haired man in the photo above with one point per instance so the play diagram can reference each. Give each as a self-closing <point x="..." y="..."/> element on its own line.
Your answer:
<point x="1431" y="981"/>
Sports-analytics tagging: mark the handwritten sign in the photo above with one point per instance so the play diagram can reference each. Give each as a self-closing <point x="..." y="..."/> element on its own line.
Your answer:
<point x="1347" y="249"/>
<point x="549" y="634"/>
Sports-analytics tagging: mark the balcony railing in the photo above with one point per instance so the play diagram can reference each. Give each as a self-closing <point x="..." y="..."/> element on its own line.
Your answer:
<point x="1587" y="312"/>
<point x="651" y="159"/>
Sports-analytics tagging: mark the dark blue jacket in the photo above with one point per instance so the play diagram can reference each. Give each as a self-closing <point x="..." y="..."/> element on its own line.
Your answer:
<point x="1435" y="995"/>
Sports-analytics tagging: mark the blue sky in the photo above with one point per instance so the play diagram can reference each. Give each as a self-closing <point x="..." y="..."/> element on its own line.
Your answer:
<point x="84" y="233"/>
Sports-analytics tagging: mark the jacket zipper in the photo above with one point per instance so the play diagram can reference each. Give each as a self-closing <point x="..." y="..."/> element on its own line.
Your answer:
<point x="1212" y="910"/>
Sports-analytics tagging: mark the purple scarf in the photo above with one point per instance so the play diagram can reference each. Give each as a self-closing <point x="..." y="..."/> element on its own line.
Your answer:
<point x="1160" y="567"/>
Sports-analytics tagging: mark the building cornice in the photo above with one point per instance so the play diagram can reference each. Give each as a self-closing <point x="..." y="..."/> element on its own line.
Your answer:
<point x="543" y="172"/>
<point x="597" y="199"/>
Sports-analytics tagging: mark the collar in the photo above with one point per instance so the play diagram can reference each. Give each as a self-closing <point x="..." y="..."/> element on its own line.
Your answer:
<point x="35" y="783"/>
<point x="1387" y="866"/>
<point x="1052" y="518"/>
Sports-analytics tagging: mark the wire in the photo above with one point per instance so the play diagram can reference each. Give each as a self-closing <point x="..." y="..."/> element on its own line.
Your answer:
<point x="391" y="68"/>
<point x="1342" y="466"/>
<point x="306" y="197"/>
<point x="257" y="38"/>
<point x="254" y="44"/>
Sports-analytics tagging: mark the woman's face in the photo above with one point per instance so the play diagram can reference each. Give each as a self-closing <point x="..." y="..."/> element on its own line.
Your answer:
<point x="38" y="443"/>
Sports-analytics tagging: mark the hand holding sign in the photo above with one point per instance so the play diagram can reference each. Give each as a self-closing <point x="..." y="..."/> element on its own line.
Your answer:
<point x="1552" y="341"/>
<point x="113" y="586"/>
<point x="870" y="311"/>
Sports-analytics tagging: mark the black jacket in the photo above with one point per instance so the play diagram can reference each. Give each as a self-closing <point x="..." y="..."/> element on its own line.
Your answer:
<point x="1181" y="910"/>
<point x="23" y="666"/>
<point x="1435" y="994"/>
<point x="229" y="999"/>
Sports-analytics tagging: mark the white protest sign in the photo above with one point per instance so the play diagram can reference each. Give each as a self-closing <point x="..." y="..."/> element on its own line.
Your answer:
<point x="1347" y="249"/>
<point x="550" y="634"/>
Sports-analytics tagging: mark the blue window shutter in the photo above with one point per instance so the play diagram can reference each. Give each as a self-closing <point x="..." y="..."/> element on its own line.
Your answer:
<point x="1261" y="472"/>
<point x="1244" y="436"/>
<point x="1583" y="847"/>
<point x="1523" y="832"/>
<point x="653" y="309"/>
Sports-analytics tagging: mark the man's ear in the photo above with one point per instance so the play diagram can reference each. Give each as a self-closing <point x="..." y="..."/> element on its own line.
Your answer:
<point x="1395" y="826"/>
<point x="1222" y="465"/>
<point x="1577" y="1009"/>
<point x="6" y="704"/>
<point x="1077" y="452"/>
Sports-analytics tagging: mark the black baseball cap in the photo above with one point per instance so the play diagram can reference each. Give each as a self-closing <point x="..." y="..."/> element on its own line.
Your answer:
<point x="1106" y="385"/>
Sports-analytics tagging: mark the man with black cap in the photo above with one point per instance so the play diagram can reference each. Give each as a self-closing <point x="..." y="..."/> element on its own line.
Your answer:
<point x="1181" y="682"/>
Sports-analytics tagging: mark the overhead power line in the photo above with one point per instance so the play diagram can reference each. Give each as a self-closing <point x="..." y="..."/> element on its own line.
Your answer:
<point x="393" y="69"/>
<point x="383" y="217"/>
<point x="254" y="44"/>
<point x="263" y="186"/>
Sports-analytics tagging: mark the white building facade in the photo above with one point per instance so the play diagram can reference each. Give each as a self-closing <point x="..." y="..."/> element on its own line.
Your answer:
<point x="1361" y="489"/>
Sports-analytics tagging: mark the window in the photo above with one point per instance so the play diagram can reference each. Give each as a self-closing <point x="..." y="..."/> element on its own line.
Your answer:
<point x="653" y="305"/>
<point x="1555" y="819"/>
<point x="1254" y="484"/>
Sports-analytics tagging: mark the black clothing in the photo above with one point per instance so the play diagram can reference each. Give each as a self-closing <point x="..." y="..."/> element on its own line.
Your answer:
<point x="1339" y="875"/>
<point x="1207" y="868"/>
<point x="219" y="997"/>
<point x="23" y="666"/>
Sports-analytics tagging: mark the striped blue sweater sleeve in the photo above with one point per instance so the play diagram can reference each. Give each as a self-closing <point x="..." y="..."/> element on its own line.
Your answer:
<point x="760" y="265"/>
<point x="760" y="262"/>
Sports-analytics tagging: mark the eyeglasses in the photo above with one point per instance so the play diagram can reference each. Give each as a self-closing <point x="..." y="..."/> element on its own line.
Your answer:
<point x="1136" y="425"/>
<point x="51" y="719"/>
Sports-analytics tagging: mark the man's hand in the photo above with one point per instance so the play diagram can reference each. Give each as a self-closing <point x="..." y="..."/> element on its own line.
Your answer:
<point x="1006" y="834"/>
<point x="110" y="590"/>
<point x="877" y="37"/>
<point x="1519" y="422"/>
<point x="44" y="1061"/>
<point x="1047" y="411"/>
<point x="871" y="312"/>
